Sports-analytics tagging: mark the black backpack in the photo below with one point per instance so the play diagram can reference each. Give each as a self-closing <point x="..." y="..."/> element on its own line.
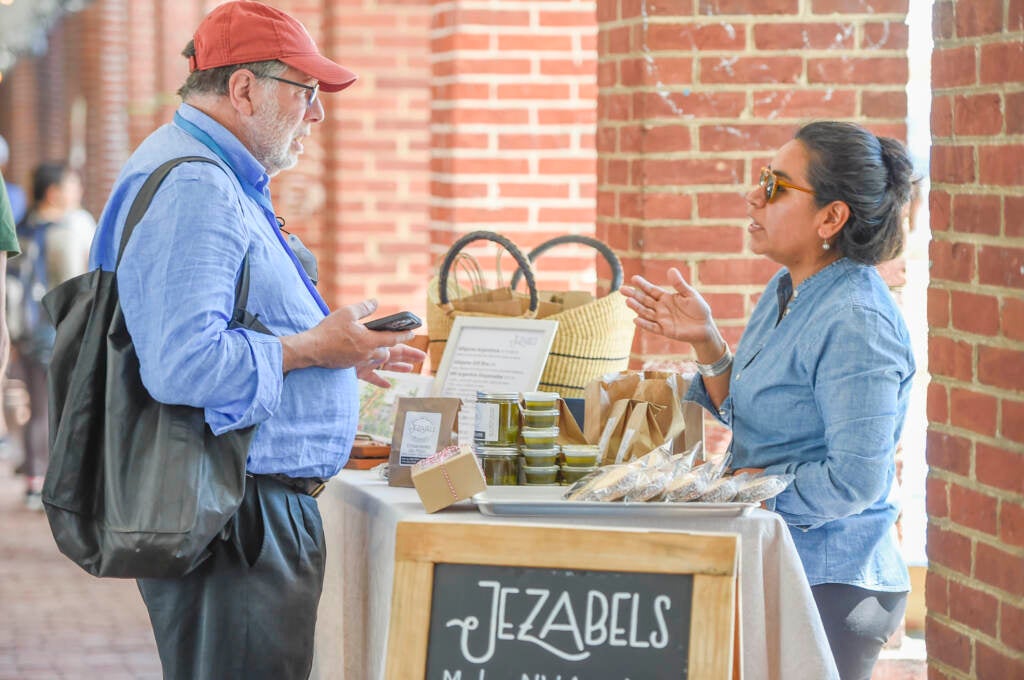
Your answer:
<point x="30" y="329"/>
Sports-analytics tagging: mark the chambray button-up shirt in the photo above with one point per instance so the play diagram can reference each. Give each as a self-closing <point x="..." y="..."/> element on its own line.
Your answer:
<point x="176" y="283"/>
<point x="820" y="390"/>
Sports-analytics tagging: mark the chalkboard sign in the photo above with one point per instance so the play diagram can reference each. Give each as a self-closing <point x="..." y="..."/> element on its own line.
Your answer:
<point x="511" y="601"/>
<point x="547" y="623"/>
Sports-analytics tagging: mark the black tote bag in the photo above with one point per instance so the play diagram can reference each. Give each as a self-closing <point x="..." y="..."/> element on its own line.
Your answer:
<point x="135" y="488"/>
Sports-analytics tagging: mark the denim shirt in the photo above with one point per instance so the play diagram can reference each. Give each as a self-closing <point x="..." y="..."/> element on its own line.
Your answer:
<point x="176" y="283"/>
<point x="821" y="390"/>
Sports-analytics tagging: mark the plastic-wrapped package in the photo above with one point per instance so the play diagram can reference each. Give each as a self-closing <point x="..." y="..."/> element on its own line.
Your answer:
<point x="610" y="486"/>
<point x="577" y="488"/>
<point x="651" y="485"/>
<point x="689" y="485"/>
<point x="759" y="488"/>
<point x="722" y="490"/>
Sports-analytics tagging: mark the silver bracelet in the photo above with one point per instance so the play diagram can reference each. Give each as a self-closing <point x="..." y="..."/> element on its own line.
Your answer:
<point x="717" y="368"/>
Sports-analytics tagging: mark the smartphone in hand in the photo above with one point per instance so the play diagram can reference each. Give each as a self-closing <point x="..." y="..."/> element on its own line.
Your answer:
<point x="402" y="321"/>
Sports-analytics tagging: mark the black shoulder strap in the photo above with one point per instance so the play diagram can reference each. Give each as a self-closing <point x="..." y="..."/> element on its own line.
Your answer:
<point x="141" y="204"/>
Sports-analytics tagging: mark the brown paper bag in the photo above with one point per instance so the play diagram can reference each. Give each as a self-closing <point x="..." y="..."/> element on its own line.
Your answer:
<point x="642" y="433"/>
<point x="568" y="429"/>
<point x="423" y="426"/>
<point x="680" y="422"/>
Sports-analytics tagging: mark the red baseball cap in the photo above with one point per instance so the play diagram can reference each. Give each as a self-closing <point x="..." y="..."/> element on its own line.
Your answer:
<point x="242" y="31"/>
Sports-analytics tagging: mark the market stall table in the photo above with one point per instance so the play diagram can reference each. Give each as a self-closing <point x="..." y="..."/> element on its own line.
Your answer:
<point x="781" y="634"/>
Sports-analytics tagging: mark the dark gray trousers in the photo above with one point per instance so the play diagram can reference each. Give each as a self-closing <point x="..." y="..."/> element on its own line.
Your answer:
<point x="858" y="622"/>
<point x="249" y="610"/>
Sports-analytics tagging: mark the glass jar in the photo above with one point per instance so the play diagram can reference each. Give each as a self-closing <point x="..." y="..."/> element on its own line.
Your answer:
<point x="497" y="419"/>
<point x="500" y="465"/>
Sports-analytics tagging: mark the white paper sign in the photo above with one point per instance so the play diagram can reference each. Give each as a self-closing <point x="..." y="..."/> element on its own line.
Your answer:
<point x="491" y="354"/>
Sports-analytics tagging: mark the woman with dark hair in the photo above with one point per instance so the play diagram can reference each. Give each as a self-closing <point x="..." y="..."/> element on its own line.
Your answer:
<point x="821" y="377"/>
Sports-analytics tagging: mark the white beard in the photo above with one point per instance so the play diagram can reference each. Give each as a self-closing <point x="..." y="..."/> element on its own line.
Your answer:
<point x="271" y="138"/>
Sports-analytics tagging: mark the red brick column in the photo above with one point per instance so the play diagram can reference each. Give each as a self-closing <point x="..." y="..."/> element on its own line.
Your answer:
<point x="975" y="599"/>
<point x="105" y="60"/>
<point x="374" y="185"/>
<point x="512" y="124"/>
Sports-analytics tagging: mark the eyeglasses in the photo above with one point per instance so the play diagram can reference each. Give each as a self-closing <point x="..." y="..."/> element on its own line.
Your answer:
<point x="770" y="182"/>
<point x="314" y="90"/>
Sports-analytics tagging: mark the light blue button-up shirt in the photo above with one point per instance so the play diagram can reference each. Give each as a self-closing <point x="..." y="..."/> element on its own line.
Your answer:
<point x="176" y="283"/>
<point x="821" y="391"/>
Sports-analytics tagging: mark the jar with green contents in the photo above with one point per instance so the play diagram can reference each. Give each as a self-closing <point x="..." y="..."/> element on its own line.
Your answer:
<point x="500" y="465"/>
<point x="497" y="419"/>
<point x="540" y="437"/>
<point x="547" y="474"/>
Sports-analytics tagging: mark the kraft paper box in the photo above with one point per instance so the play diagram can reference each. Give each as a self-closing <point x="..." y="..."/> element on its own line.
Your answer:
<point x="451" y="475"/>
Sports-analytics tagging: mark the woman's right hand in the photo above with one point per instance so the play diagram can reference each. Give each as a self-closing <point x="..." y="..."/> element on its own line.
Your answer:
<point x="679" y="315"/>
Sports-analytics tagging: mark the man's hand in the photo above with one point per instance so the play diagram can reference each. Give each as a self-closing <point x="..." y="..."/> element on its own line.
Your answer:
<point x="340" y="341"/>
<point x="399" y="358"/>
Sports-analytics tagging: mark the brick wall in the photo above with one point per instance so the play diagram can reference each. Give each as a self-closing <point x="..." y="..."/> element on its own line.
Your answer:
<point x="692" y="104"/>
<point x="975" y="599"/>
<point x="512" y="129"/>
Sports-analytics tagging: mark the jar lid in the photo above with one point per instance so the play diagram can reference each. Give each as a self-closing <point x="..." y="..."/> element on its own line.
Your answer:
<point x="504" y="451"/>
<point x="540" y="468"/>
<point x="544" y="412"/>
<point x="581" y="448"/>
<point x="529" y="432"/>
<point x="502" y="396"/>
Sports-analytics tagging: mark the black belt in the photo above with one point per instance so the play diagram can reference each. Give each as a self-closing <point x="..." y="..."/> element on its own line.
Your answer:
<point x="311" y="486"/>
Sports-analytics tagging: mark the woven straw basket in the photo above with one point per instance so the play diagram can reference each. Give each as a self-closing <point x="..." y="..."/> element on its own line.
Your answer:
<point x="592" y="339"/>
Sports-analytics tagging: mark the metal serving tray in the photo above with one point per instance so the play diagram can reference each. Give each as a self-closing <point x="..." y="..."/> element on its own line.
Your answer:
<point x="538" y="501"/>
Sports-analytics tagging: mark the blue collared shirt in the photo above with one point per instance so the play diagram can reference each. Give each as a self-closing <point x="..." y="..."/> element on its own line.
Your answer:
<point x="176" y="283"/>
<point x="821" y="391"/>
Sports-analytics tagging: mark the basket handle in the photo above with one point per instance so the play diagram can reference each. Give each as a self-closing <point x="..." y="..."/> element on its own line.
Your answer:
<point x="599" y="246"/>
<point x="524" y="264"/>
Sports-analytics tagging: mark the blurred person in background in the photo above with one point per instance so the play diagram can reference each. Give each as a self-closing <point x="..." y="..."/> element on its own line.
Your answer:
<point x="8" y="248"/>
<point x="53" y="250"/>
<point x="15" y="194"/>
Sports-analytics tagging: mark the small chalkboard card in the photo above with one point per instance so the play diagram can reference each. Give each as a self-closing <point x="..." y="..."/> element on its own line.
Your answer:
<point x="525" y="602"/>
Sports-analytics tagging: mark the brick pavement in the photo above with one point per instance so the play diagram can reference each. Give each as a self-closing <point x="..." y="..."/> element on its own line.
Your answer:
<point x="57" y="621"/>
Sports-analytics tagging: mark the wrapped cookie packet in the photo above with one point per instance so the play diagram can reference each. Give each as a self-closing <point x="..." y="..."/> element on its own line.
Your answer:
<point x="661" y="476"/>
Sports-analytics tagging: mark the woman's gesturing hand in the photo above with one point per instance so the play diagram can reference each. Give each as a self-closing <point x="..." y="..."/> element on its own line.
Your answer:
<point x="681" y="314"/>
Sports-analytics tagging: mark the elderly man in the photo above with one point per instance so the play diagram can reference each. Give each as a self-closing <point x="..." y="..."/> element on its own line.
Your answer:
<point x="251" y="98"/>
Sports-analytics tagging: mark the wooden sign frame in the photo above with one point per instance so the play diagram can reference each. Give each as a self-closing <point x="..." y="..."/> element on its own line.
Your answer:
<point x="712" y="559"/>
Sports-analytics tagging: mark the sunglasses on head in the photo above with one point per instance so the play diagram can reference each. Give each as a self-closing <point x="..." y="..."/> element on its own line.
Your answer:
<point x="770" y="183"/>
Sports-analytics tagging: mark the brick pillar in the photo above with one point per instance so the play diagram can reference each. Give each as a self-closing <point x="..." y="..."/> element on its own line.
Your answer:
<point x="377" y="157"/>
<point x="19" y="123"/>
<point x="512" y="121"/>
<point x="693" y="100"/>
<point x="975" y="626"/>
<point x="105" y="63"/>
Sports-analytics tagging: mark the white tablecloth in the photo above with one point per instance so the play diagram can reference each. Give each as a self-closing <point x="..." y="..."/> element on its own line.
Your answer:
<point x="781" y="634"/>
